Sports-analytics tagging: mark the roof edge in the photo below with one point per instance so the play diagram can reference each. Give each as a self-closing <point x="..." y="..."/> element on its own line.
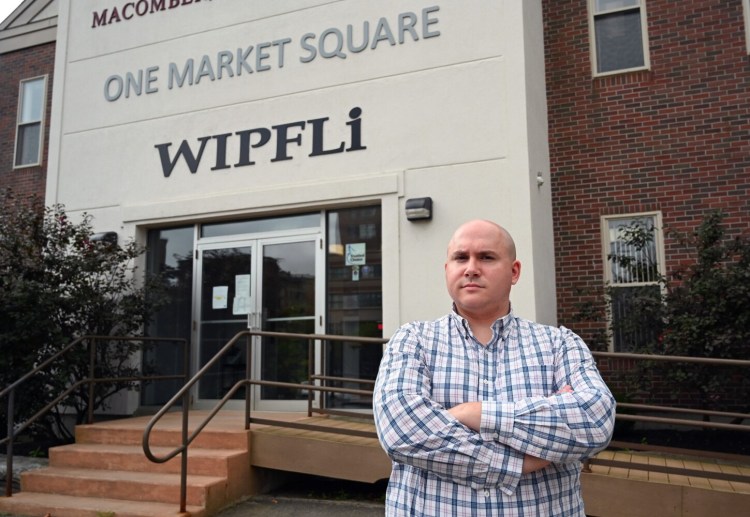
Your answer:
<point x="25" y="28"/>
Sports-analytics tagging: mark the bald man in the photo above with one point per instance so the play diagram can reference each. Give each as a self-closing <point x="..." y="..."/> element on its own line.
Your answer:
<point x="482" y="412"/>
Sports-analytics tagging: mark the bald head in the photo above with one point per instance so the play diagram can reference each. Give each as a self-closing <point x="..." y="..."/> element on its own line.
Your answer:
<point x="484" y="225"/>
<point x="480" y="270"/>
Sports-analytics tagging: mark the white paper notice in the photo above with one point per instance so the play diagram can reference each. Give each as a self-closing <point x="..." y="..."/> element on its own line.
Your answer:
<point x="241" y="302"/>
<point x="219" y="298"/>
<point x="241" y="305"/>
<point x="242" y="285"/>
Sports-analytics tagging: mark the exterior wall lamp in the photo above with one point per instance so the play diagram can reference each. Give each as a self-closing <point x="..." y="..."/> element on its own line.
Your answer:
<point x="419" y="209"/>
<point x="109" y="238"/>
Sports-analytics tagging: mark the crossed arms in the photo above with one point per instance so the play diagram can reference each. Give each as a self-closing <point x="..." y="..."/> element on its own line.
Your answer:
<point x="490" y="442"/>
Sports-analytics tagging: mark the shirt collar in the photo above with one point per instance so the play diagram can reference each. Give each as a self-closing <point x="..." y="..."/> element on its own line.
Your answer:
<point x="499" y="326"/>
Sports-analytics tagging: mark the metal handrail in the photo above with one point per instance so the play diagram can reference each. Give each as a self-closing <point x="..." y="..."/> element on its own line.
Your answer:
<point x="669" y="409"/>
<point x="247" y="383"/>
<point x="184" y="395"/>
<point x="14" y="430"/>
<point x="676" y="421"/>
<point x="712" y="361"/>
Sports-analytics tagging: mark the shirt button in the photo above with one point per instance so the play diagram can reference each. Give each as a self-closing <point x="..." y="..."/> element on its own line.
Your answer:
<point x="486" y="493"/>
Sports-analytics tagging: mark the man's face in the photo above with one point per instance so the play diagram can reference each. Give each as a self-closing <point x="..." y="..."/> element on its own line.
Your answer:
<point x="480" y="270"/>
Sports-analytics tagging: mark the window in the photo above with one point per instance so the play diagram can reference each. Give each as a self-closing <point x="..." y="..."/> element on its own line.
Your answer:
<point x="29" y="131"/>
<point x="170" y="254"/>
<point x="354" y="299"/>
<point x="633" y="264"/>
<point x="619" y="35"/>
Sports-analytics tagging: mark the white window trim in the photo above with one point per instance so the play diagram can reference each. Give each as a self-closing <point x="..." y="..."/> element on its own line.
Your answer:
<point x="658" y="242"/>
<point x="41" y="121"/>
<point x="644" y="36"/>
<point x="746" y="17"/>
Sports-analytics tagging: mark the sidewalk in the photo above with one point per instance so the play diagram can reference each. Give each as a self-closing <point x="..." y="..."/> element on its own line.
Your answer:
<point x="287" y="506"/>
<point x="303" y="495"/>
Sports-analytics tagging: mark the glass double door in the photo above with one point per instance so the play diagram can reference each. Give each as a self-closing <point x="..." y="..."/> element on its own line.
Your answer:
<point x="271" y="284"/>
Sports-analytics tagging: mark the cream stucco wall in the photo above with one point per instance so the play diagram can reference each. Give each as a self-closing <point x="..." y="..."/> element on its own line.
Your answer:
<point x="458" y="116"/>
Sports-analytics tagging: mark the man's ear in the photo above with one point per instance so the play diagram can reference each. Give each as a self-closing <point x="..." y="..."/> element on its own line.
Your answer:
<point x="515" y="272"/>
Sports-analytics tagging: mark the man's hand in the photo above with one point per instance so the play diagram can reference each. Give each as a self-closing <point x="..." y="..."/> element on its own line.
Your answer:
<point x="532" y="464"/>
<point x="470" y="414"/>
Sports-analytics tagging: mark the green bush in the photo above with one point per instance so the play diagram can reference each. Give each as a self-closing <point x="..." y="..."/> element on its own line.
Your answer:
<point x="700" y="309"/>
<point x="56" y="284"/>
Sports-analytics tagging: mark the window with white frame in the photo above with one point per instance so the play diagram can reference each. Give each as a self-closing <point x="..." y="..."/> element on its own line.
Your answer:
<point x="619" y="36"/>
<point x="633" y="264"/>
<point x="32" y="99"/>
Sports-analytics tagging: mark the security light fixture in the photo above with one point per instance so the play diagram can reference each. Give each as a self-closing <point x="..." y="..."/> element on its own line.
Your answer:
<point x="105" y="238"/>
<point x="419" y="209"/>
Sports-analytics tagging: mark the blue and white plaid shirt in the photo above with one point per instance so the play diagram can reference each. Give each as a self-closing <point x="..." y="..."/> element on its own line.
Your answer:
<point x="443" y="468"/>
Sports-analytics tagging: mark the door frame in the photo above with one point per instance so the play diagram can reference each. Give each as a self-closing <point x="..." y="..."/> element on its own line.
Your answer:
<point x="257" y="242"/>
<point x="318" y="323"/>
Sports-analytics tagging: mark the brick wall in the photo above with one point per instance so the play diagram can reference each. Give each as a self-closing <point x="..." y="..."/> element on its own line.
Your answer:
<point x="675" y="138"/>
<point x="14" y="67"/>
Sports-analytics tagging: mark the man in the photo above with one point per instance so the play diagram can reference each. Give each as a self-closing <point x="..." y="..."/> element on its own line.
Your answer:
<point x="482" y="412"/>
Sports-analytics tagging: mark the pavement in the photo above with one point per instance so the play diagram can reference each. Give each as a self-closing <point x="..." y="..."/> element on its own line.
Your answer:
<point x="313" y="496"/>
<point x="289" y="506"/>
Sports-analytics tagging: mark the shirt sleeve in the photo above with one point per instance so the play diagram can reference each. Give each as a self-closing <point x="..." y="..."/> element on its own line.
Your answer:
<point x="562" y="427"/>
<point x="416" y="431"/>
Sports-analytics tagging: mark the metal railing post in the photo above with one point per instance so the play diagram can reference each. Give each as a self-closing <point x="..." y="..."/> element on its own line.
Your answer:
<point x="184" y="458"/>
<point x="310" y="373"/>
<point x="184" y="435"/>
<point x="9" y="446"/>
<point x="248" y="374"/>
<point x="92" y="368"/>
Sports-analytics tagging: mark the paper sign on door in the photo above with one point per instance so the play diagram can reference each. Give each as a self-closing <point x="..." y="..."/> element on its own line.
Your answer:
<point x="219" y="297"/>
<point x="241" y="302"/>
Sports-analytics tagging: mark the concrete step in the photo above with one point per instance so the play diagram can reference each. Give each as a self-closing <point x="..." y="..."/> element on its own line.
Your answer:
<point x="207" y="462"/>
<point x="204" y="491"/>
<point x="124" y="433"/>
<point x="56" y="505"/>
<point x="106" y="472"/>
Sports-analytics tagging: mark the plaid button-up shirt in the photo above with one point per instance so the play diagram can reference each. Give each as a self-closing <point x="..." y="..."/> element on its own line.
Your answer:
<point x="443" y="468"/>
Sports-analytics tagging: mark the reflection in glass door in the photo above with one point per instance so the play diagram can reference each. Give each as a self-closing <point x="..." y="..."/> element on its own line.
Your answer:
<point x="226" y="291"/>
<point x="288" y="305"/>
<point x="268" y="284"/>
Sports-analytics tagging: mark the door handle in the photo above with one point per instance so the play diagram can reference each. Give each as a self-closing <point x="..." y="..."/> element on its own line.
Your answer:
<point x="254" y="321"/>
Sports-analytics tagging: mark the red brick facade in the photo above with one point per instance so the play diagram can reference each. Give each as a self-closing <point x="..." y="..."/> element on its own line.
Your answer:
<point x="675" y="138"/>
<point x="16" y="66"/>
